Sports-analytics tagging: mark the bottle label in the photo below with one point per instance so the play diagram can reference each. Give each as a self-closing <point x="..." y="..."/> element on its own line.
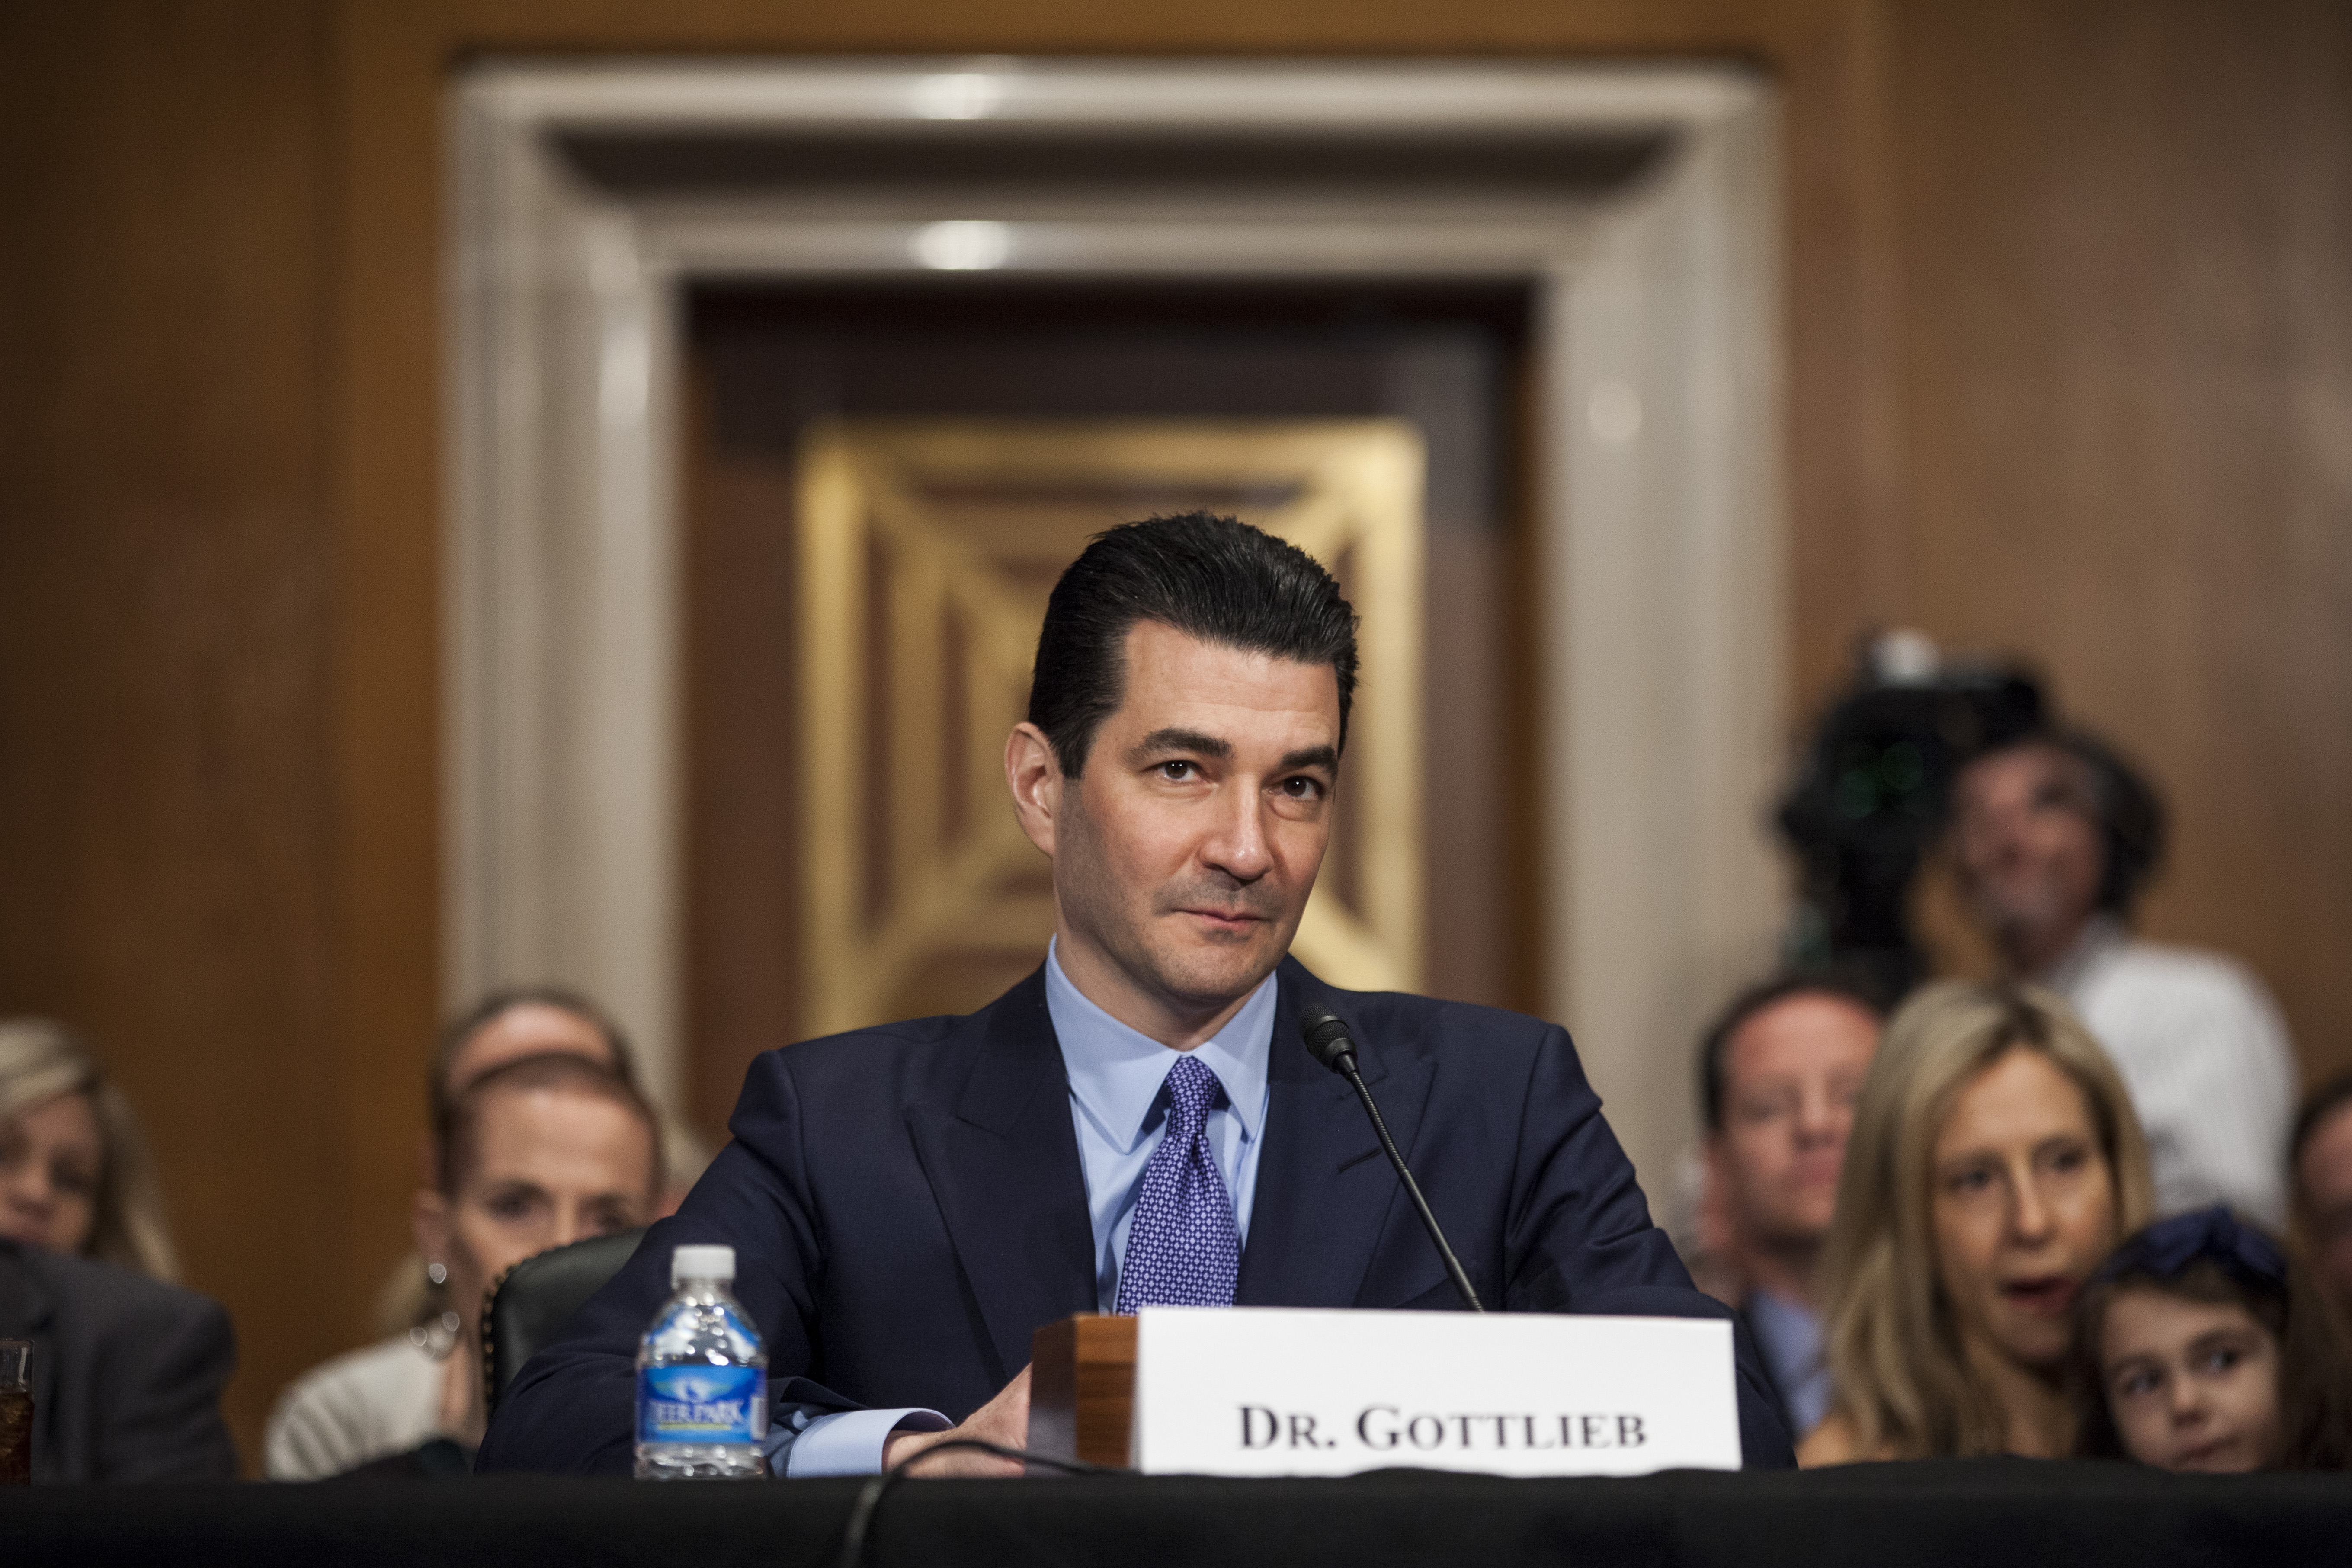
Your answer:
<point x="702" y="1405"/>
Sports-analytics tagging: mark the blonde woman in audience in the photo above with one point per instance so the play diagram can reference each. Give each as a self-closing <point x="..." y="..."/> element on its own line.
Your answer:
<point x="129" y="1366"/>
<point x="75" y="1175"/>
<point x="535" y="1153"/>
<point x="1994" y="1162"/>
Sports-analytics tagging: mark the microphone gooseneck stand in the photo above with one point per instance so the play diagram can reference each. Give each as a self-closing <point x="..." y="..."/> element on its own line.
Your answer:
<point x="1327" y="1037"/>
<point x="1328" y="1041"/>
<point x="856" y="1535"/>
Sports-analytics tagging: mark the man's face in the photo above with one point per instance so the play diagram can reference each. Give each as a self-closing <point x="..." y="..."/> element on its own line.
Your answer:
<point x="2026" y="838"/>
<point x="1791" y="1074"/>
<point x="2323" y="1180"/>
<point x="1183" y="855"/>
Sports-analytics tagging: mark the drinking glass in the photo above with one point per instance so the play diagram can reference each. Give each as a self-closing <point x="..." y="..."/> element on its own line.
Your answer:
<point x="15" y="1412"/>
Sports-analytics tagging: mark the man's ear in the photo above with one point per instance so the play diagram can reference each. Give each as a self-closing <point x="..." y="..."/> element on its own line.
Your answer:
<point x="1716" y="1196"/>
<point x="428" y="1221"/>
<point x="1035" y="775"/>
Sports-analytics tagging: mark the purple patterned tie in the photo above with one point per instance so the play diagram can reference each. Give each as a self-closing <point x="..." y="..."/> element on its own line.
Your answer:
<point x="1182" y="1248"/>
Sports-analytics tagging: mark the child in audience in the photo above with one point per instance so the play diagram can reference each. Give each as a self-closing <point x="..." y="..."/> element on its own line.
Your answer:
<point x="2202" y="1346"/>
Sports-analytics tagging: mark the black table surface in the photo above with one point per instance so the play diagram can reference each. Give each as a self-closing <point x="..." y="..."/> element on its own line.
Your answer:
<point x="1990" y="1513"/>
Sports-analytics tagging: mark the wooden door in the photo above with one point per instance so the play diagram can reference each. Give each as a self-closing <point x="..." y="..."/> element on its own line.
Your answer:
<point x="884" y="484"/>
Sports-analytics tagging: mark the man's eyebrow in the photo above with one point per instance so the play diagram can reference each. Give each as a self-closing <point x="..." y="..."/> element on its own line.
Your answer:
<point x="1324" y="757"/>
<point x="1176" y="739"/>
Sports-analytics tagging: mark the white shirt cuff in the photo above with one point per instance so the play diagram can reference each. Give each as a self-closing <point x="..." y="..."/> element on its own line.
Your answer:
<point x="851" y="1442"/>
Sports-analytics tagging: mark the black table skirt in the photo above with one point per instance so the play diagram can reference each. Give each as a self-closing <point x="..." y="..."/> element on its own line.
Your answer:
<point x="1995" y="1514"/>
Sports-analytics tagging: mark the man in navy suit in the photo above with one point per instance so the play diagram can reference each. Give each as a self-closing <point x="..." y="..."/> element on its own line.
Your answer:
<point x="1138" y="1123"/>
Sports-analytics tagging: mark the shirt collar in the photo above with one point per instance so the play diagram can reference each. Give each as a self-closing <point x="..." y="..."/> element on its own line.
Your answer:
<point x="1774" y="1316"/>
<point x="1116" y="1072"/>
<point x="2101" y="934"/>
<point x="1790" y="1332"/>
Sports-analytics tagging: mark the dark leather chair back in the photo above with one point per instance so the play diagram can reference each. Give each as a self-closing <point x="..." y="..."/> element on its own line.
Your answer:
<point x="530" y="1303"/>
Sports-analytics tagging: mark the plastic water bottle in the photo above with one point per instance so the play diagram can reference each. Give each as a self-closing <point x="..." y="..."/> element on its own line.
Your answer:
<point x="702" y="1379"/>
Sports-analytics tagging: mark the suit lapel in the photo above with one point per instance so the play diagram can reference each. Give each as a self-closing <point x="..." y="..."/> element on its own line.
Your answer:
<point x="24" y="1305"/>
<point x="1004" y="1167"/>
<point x="1326" y="1194"/>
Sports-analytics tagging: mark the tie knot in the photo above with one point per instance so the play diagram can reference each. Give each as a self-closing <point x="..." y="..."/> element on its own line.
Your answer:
<point x="1192" y="1087"/>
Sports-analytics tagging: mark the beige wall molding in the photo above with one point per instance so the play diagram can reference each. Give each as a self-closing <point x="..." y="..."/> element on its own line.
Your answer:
<point x="1657" y="468"/>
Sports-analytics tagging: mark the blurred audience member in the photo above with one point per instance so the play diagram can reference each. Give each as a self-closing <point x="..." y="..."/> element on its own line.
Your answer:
<point x="127" y="1371"/>
<point x="2320" y="1158"/>
<point x="1778" y="1074"/>
<point x="2200" y="1346"/>
<point x="535" y="1152"/>
<point x="529" y="1020"/>
<point x="75" y="1175"/>
<point x="2054" y="838"/>
<point x="1994" y="1164"/>
<point x="127" y="1367"/>
<point x="503" y="1026"/>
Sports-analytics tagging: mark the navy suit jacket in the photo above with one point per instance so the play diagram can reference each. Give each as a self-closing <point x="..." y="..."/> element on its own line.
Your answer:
<point x="127" y="1371"/>
<point x="907" y="1206"/>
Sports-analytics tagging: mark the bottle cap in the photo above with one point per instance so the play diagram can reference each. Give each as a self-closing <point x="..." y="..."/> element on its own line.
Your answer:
<point x="701" y="1263"/>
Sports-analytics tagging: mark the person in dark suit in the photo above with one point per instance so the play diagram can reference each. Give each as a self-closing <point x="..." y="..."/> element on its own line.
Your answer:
<point x="1138" y="1123"/>
<point x="127" y="1371"/>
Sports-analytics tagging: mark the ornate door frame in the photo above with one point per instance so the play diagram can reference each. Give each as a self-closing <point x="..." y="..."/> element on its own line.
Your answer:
<point x="1657" y="462"/>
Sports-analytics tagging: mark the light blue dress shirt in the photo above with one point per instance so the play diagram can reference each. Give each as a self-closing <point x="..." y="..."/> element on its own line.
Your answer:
<point x="1118" y="1108"/>
<point x="1119" y="1104"/>
<point x="1789" y="1335"/>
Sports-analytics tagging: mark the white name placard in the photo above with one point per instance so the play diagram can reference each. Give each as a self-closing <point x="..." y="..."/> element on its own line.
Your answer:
<point x="1265" y="1391"/>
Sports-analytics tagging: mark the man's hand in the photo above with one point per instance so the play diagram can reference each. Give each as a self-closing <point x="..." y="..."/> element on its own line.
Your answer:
<point x="1004" y="1420"/>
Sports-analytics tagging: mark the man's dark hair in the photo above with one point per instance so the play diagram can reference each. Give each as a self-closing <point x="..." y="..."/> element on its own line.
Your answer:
<point x="1714" y="1046"/>
<point x="2125" y="806"/>
<point x="2318" y="1106"/>
<point x="1214" y="578"/>
<point x="506" y="999"/>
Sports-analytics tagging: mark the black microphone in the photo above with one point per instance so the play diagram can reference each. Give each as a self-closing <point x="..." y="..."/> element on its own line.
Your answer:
<point x="1328" y="1042"/>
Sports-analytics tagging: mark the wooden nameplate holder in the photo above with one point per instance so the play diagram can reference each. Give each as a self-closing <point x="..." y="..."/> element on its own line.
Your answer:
<point x="1335" y="1393"/>
<point x="1082" y="1389"/>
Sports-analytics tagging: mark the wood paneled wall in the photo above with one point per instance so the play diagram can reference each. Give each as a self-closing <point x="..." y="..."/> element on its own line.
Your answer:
<point x="2069" y="327"/>
<point x="2128" y="346"/>
<point x="167" y="609"/>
